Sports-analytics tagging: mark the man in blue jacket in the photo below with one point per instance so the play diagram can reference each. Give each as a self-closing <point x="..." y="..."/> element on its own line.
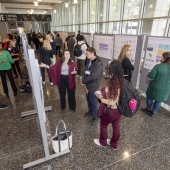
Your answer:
<point x="91" y="79"/>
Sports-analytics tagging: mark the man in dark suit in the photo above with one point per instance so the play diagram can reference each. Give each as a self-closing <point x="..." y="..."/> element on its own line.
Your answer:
<point x="71" y="44"/>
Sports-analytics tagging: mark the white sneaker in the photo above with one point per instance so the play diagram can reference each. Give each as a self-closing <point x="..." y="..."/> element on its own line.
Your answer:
<point x="96" y="141"/>
<point x="43" y="82"/>
<point x="78" y="76"/>
<point x="108" y="142"/>
<point x="51" y="83"/>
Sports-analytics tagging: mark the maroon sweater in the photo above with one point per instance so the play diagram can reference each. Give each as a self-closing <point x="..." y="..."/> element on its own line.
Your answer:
<point x="55" y="72"/>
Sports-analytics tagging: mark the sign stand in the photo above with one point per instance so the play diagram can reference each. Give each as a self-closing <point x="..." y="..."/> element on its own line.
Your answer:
<point x="38" y="97"/>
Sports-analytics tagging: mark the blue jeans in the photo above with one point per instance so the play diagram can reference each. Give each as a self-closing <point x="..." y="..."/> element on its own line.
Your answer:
<point x="156" y="105"/>
<point x="92" y="104"/>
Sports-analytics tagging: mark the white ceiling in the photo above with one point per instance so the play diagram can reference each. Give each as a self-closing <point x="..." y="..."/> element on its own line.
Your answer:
<point x="22" y="6"/>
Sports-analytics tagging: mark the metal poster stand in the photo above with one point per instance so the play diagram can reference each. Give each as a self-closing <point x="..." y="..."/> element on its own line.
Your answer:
<point x="34" y="76"/>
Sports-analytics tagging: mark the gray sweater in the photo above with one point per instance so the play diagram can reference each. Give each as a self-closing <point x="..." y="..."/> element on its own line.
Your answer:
<point x="58" y="41"/>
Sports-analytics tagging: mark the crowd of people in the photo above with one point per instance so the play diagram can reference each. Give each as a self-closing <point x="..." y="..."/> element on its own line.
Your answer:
<point x="77" y="59"/>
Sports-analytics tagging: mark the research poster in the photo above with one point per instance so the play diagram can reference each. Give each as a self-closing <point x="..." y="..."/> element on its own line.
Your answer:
<point x="104" y="46"/>
<point x="155" y="48"/>
<point x="120" y="41"/>
<point x="88" y="39"/>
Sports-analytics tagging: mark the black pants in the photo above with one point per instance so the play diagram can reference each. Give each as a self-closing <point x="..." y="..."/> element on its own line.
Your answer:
<point x="11" y="79"/>
<point x="63" y="86"/>
<point x="58" y="48"/>
<point x="17" y="66"/>
<point x="43" y="74"/>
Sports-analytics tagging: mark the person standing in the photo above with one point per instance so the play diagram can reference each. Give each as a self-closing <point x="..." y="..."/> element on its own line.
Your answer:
<point x="17" y="37"/>
<point x="36" y="42"/>
<point x="45" y="57"/>
<point x="58" y="42"/>
<point x="77" y="38"/>
<point x="108" y="111"/>
<point x="15" y="55"/>
<point x="91" y="79"/>
<point x="53" y="46"/>
<point x="159" y="85"/>
<point x="63" y="75"/>
<point x="123" y="58"/>
<point x="71" y="44"/>
<point x="82" y="58"/>
<point x="5" y="69"/>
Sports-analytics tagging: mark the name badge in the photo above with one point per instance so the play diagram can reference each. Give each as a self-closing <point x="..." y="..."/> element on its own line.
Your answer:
<point x="87" y="72"/>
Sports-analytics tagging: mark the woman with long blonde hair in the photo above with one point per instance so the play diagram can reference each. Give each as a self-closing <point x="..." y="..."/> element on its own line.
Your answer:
<point x="5" y="42"/>
<point x="123" y="58"/>
<point x="45" y="57"/>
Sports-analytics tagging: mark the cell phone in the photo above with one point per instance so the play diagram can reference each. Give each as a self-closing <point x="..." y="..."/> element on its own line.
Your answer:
<point x="98" y="92"/>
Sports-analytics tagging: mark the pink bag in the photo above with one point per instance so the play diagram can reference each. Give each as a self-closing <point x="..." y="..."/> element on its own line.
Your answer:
<point x="132" y="104"/>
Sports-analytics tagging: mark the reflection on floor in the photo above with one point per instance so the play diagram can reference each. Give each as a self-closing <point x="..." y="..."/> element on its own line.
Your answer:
<point x="144" y="142"/>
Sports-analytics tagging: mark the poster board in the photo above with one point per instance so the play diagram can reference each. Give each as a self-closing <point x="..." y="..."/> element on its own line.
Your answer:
<point x="136" y="43"/>
<point x="104" y="43"/>
<point x="88" y="38"/>
<point x="154" y="49"/>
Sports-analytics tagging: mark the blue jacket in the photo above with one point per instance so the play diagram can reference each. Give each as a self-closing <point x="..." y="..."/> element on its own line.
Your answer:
<point x="53" y="46"/>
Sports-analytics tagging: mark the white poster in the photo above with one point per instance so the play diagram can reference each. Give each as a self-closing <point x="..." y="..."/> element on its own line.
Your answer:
<point x="120" y="41"/>
<point x="155" y="47"/>
<point x="88" y="39"/>
<point x="104" y="46"/>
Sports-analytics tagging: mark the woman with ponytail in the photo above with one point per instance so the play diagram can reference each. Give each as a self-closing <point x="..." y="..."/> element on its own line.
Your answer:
<point x="108" y="111"/>
<point x="159" y="86"/>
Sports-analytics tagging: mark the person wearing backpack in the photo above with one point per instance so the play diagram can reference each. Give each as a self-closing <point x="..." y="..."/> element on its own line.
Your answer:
<point x="123" y="58"/>
<point x="79" y="52"/>
<point x="159" y="86"/>
<point x="108" y="111"/>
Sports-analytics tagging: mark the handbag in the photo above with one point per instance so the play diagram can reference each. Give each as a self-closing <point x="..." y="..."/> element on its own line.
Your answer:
<point x="62" y="140"/>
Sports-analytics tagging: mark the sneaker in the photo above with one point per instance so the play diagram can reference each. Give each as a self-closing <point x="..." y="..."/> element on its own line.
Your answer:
<point x="152" y="114"/>
<point x="4" y="106"/>
<point x="96" y="141"/>
<point x="108" y="142"/>
<point x="43" y="82"/>
<point x="51" y="83"/>
<point x="94" y="122"/>
<point x="87" y="114"/>
<point x="146" y="111"/>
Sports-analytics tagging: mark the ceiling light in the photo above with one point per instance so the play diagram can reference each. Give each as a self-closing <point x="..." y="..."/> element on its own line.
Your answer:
<point x="150" y="6"/>
<point x="66" y="4"/>
<point x="45" y="12"/>
<point x="75" y="2"/>
<point x="39" y="0"/>
<point x="35" y="3"/>
<point x="55" y="11"/>
<point x="32" y="10"/>
<point x="28" y="11"/>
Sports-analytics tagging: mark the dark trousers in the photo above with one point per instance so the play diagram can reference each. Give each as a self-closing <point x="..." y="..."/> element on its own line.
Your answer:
<point x="11" y="79"/>
<point x="114" y="118"/>
<point x="80" y="66"/>
<point x="43" y="74"/>
<point x="16" y="64"/>
<point x="58" y="49"/>
<point x="92" y="104"/>
<point x="63" y="86"/>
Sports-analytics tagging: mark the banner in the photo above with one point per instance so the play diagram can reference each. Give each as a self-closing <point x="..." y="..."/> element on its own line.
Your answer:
<point x="24" y="17"/>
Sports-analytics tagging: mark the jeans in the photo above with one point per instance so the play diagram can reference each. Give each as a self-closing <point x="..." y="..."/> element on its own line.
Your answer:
<point x="156" y="105"/>
<point x="92" y="104"/>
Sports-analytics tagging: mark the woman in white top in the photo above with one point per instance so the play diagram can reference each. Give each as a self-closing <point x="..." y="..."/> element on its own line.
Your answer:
<point x="81" y="59"/>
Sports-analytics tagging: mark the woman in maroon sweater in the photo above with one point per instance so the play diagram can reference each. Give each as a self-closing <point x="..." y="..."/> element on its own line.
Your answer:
<point x="63" y="75"/>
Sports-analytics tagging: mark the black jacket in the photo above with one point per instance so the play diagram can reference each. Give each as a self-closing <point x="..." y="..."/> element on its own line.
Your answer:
<point x="127" y="68"/>
<point x="71" y="43"/>
<point x="45" y="56"/>
<point x="92" y="80"/>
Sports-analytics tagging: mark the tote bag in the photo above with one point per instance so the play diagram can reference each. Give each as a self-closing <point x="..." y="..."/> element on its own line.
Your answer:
<point x="62" y="140"/>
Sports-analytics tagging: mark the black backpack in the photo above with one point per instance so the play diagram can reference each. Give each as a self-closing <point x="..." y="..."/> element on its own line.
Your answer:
<point x="128" y="93"/>
<point x="24" y="73"/>
<point x="77" y="50"/>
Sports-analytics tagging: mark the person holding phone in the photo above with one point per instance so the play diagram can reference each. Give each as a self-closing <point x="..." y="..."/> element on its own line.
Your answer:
<point x="63" y="75"/>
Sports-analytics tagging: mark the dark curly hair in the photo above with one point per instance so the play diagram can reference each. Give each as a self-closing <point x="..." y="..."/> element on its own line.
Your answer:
<point x="116" y="80"/>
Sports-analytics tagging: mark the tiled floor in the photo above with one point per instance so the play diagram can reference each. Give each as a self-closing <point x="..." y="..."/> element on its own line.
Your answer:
<point x="144" y="143"/>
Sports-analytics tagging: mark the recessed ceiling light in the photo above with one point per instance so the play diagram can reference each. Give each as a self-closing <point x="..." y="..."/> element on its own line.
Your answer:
<point x="66" y="4"/>
<point x="45" y="12"/>
<point x="39" y="0"/>
<point x="36" y="3"/>
<point x="55" y="11"/>
<point x="75" y="2"/>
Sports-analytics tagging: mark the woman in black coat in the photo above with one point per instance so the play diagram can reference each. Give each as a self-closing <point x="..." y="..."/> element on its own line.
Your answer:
<point x="125" y="61"/>
<point x="45" y="57"/>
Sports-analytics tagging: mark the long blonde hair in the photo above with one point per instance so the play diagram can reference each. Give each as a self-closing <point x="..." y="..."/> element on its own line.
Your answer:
<point x="6" y="39"/>
<point x="47" y="45"/>
<point x="122" y="54"/>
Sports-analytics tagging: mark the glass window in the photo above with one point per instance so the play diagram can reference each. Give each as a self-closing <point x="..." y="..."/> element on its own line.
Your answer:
<point x="102" y="10"/>
<point x="74" y="14"/>
<point x="129" y="27"/>
<point x="85" y="11"/>
<point x="84" y="28"/>
<point x="155" y="27"/>
<point x="102" y="27"/>
<point x="92" y="28"/>
<point x="114" y="10"/>
<point x="156" y="8"/>
<point x="70" y="20"/>
<point x="131" y="9"/>
<point x="78" y="15"/>
<point x="113" y="28"/>
<point x="92" y="10"/>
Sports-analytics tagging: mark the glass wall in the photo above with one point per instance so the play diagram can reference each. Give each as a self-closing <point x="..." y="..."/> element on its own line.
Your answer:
<point x="136" y="17"/>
